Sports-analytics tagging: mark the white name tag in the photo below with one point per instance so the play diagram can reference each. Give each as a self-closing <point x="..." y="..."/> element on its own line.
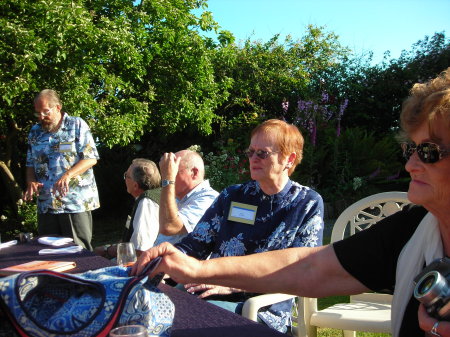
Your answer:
<point x="65" y="147"/>
<point x="244" y="213"/>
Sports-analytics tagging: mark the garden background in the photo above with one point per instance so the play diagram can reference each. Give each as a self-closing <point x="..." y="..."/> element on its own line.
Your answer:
<point x="147" y="80"/>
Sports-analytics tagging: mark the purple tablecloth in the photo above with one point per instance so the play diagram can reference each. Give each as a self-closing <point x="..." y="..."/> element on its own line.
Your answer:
<point x="25" y="252"/>
<point x="193" y="317"/>
<point x="197" y="318"/>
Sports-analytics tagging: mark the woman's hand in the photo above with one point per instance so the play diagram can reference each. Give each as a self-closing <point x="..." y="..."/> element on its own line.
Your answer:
<point x="431" y="325"/>
<point x="209" y="289"/>
<point x="180" y="267"/>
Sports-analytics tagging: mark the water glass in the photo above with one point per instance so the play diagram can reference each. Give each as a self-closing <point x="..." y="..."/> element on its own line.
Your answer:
<point x="126" y="254"/>
<point x="129" y="331"/>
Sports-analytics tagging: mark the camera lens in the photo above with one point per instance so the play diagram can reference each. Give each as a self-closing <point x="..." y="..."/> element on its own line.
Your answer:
<point x="430" y="288"/>
<point x="426" y="285"/>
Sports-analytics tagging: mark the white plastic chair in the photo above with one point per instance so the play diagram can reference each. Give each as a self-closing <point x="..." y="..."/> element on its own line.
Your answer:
<point x="369" y="312"/>
<point x="252" y="305"/>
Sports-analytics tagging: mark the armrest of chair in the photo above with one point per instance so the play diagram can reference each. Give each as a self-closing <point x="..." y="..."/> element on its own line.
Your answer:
<point x="372" y="297"/>
<point x="252" y="305"/>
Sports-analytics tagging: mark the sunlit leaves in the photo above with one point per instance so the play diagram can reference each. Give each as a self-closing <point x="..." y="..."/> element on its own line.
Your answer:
<point x="125" y="66"/>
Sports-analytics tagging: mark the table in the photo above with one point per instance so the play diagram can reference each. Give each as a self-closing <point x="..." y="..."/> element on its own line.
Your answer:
<point x="25" y="252"/>
<point x="193" y="317"/>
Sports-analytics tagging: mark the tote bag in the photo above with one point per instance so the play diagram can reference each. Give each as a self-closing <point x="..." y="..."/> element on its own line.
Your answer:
<point x="47" y="303"/>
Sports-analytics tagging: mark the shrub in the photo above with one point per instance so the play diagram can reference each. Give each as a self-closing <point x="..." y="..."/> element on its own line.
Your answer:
<point x="227" y="166"/>
<point x="24" y="221"/>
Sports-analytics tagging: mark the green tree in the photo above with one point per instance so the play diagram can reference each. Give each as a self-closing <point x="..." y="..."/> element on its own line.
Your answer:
<point x="376" y="92"/>
<point x="266" y="73"/>
<point x="125" y="67"/>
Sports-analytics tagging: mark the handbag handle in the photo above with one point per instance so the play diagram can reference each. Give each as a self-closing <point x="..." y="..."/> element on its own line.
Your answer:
<point x="149" y="267"/>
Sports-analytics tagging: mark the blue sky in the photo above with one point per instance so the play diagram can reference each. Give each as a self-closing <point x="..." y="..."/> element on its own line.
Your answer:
<point x="362" y="25"/>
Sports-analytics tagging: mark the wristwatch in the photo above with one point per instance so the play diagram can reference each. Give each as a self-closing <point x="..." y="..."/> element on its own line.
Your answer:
<point x="165" y="183"/>
<point x="105" y="250"/>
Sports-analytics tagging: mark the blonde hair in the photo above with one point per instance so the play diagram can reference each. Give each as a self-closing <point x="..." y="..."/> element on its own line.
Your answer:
<point x="427" y="102"/>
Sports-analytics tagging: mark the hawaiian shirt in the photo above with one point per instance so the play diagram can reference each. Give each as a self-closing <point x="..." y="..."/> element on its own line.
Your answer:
<point x="290" y="218"/>
<point x="51" y="154"/>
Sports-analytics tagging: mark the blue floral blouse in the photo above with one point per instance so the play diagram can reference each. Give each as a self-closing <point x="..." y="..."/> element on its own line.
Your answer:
<point x="290" y="218"/>
<point x="51" y="154"/>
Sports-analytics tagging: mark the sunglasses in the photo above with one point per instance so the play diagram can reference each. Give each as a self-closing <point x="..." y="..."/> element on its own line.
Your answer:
<point x="428" y="153"/>
<point x="259" y="153"/>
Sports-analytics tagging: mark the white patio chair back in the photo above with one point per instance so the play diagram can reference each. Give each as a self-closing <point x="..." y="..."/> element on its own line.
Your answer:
<point x="369" y="312"/>
<point x="366" y="212"/>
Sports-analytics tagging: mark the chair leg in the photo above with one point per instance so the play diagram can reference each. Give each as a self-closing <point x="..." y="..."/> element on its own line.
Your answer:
<point x="312" y="331"/>
<point x="348" y="333"/>
<point x="302" y="331"/>
<point x="305" y="307"/>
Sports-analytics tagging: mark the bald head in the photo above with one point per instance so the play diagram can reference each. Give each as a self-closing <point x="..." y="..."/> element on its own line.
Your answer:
<point x="191" y="172"/>
<point x="191" y="160"/>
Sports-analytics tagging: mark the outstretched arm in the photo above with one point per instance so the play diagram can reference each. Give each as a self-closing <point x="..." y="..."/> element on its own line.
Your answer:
<point x="312" y="272"/>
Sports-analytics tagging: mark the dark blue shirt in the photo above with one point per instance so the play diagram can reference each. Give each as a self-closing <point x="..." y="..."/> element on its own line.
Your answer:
<point x="290" y="218"/>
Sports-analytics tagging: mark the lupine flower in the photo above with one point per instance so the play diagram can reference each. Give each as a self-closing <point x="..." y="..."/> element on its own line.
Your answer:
<point x="394" y="176"/>
<point x="374" y="173"/>
<point x="309" y="113"/>
<point x="342" y="108"/>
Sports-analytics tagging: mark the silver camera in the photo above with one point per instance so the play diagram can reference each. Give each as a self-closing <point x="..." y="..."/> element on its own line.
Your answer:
<point x="433" y="290"/>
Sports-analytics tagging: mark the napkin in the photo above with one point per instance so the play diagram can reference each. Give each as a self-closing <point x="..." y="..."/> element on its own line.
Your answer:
<point x="66" y="250"/>
<point x="8" y="244"/>
<point x="54" y="241"/>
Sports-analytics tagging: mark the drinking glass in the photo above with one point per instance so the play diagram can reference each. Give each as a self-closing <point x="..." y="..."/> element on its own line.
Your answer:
<point x="129" y="331"/>
<point x="126" y="254"/>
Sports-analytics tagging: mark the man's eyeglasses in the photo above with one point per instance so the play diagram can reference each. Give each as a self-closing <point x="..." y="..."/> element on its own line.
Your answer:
<point x="428" y="153"/>
<point x="125" y="176"/>
<point x="261" y="154"/>
<point x="43" y="113"/>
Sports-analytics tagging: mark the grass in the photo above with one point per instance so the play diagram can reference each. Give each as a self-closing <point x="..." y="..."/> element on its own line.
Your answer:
<point x="109" y="230"/>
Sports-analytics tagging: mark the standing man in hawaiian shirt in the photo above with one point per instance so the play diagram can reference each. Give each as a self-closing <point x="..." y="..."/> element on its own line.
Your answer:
<point x="61" y="153"/>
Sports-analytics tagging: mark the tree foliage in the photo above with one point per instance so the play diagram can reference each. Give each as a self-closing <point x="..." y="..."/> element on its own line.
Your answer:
<point x="376" y="92"/>
<point x="144" y="72"/>
<point x="124" y="67"/>
<point x="266" y="73"/>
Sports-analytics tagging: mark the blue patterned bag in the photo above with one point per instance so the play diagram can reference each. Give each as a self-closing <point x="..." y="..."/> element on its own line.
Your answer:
<point x="44" y="303"/>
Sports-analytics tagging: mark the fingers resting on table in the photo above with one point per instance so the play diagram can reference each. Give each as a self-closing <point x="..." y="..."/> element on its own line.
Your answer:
<point x="209" y="289"/>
